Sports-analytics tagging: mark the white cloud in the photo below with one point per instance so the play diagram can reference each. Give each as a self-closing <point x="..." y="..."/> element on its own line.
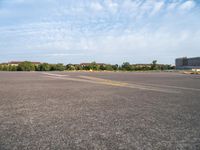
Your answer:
<point x="96" y="6"/>
<point x="109" y="27"/>
<point x="189" y="4"/>
<point x="160" y="44"/>
<point x="157" y="7"/>
<point x="172" y="6"/>
<point x="111" y="5"/>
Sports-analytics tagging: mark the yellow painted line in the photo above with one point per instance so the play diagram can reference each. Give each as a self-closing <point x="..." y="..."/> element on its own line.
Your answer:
<point x="118" y="84"/>
<point x="124" y="84"/>
<point x="142" y="84"/>
<point x="104" y="80"/>
<point x="93" y="78"/>
<point x="168" y="86"/>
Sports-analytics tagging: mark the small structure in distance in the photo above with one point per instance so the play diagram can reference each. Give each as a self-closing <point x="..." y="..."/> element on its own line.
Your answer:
<point x="185" y="63"/>
<point x="16" y="63"/>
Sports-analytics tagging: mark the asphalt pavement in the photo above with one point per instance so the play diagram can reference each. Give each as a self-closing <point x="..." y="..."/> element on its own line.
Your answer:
<point x="99" y="110"/>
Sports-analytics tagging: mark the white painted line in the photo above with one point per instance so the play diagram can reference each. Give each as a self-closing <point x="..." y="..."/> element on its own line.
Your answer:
<point x="56" y="75"/>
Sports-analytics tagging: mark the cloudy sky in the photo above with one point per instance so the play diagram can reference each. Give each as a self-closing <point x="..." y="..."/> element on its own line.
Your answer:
<point x="111" y="31"/>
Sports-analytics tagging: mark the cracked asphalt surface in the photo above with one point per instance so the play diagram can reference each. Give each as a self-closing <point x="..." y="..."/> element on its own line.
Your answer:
<point x="99" y="110"/>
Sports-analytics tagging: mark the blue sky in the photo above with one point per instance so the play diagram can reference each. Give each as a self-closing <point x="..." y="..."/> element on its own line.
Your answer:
<point x="111" y="31"/>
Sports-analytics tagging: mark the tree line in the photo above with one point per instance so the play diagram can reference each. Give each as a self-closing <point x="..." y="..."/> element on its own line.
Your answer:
<point x="29" y="66"/>
<point x="126" y="66"/>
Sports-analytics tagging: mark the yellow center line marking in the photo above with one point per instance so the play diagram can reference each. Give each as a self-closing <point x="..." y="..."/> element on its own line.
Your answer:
<point x="168" y="86"/>
<point x="143" y="84"/>
<point x="113" y="83"/>
<point x="104" y="80"/>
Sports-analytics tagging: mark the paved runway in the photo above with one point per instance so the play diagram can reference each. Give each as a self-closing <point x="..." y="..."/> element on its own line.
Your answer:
<point x="99" y="110"/>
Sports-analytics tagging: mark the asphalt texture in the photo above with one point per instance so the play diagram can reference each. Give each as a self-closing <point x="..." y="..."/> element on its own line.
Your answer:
<point x="99" y="110"/>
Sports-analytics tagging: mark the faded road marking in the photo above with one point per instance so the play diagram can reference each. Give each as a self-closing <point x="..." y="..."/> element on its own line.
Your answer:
<point x="144" y="84"/>
<point x="112" y="83"/>
<point x="169" y="86"/>
<point x="56" y="75"/>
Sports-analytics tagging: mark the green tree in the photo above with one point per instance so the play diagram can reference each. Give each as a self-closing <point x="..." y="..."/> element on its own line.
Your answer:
<point x="87" y="67"/>
<point x="78" y="67"/>
<point x="26" y="66"/>
<point x="109" y="67"/>
<point x="44" y="67"/>
<point x="14" y="68"/>
<point x="5" y="68"/>
<point x="94" y="66"/>
<point x="126" y="66"/>
<point x="9" y="67"/>
<point x="52" y="67"/>
<point x="60" y="67"/>
<point x="154" y="65"/>
<point x="70" y="67"/>
<point x="102" y="67"/>
<point x="115" y="67"/>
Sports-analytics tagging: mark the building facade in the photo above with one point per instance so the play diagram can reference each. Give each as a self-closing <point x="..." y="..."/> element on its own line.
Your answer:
<point x="16" y="63"/>
<point x="188" y="63"/>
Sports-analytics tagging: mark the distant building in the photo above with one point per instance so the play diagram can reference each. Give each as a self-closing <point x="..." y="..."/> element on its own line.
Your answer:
<point x="188" y="63"/>
<point x="16" y="63"/>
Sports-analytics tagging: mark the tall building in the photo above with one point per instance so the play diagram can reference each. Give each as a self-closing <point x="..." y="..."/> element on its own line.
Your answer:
<point x="188" y="63"/>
